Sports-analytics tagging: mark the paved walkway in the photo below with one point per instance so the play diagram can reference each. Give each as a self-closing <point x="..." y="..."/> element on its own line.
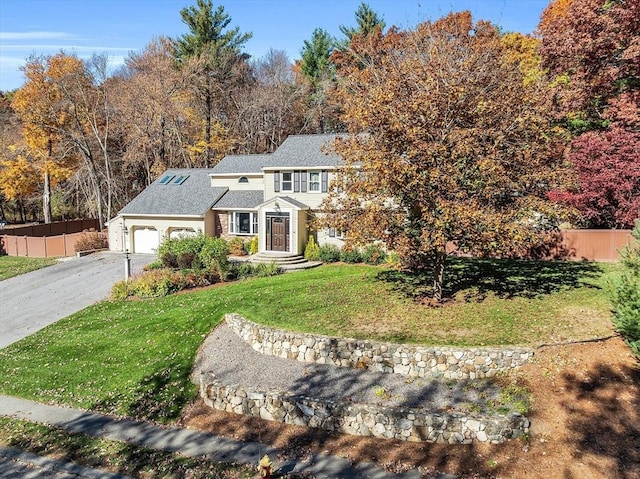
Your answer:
<point x="185" y="441"/>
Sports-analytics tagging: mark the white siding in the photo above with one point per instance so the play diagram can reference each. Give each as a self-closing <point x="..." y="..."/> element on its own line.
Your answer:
<point x="311" y="199"/>
<point x="254" y="182"/>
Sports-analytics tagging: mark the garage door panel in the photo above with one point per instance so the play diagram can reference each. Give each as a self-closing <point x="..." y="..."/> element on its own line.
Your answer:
<point x="182" y="233"/>
<point x="145" y="240"/>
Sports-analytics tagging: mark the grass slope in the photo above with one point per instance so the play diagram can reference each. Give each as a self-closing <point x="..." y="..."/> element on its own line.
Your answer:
<point x="134" y="357"/>
<point x="14" y="265"/>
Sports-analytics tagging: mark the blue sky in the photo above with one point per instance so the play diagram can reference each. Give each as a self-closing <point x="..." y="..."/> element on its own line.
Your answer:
<point x="117" y="27"/>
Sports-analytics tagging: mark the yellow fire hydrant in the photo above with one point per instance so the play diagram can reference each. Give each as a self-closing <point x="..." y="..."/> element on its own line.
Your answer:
<point x="264" y="467"/>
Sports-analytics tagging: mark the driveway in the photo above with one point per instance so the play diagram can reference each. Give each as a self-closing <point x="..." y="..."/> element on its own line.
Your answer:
<point x="31" y="301"/>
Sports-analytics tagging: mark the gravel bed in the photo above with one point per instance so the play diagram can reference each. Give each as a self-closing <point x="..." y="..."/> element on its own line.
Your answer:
<point x="234" y="362"/>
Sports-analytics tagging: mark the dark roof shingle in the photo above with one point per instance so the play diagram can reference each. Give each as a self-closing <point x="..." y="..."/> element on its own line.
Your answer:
<point x="191" y="198"/>
<point x="240" y="199"/>
<point x="241" y="164"/>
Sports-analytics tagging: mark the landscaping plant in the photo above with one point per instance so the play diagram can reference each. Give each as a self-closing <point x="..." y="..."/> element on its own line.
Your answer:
<point x="312" y="250"/>
<point x="92" y="240"/>
<point x="626" y="297"/>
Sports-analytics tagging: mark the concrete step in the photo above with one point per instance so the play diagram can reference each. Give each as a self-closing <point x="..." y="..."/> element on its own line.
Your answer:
<point x="286" y="261"/>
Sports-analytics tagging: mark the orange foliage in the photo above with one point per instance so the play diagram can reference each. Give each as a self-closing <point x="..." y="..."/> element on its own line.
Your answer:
<point x="450" y="142"/>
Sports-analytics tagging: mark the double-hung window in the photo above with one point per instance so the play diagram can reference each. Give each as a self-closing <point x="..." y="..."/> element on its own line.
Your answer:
<point x="241" y="223"/>
<point x="314" y="181"/>
<point x="287" y="181"/>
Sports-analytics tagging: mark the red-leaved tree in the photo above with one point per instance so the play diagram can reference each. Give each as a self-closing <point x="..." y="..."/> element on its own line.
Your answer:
<point x="608" y="167"/>
<point x="592" y="48"/>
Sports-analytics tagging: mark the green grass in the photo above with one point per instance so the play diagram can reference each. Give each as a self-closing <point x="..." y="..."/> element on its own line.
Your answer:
<point x="14" y="265"/>
<point x="110" y="455"/>
<point x="134" y="357"/>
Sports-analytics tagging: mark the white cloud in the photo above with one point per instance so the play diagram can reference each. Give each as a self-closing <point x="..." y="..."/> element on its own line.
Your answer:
<point x="13" y="36"/>
<point x="11" y="62"/>
<point x="66" y="48"/>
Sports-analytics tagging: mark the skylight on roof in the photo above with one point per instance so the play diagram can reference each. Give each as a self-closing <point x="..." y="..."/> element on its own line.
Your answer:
<point x="180" y="179"/>
<point x="166" y="179"/>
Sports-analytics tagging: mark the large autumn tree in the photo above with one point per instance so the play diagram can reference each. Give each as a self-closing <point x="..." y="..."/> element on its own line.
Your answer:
<point x="451" y="142"/>
<point x="592" y="49"/>
<point x="38" y="104"/>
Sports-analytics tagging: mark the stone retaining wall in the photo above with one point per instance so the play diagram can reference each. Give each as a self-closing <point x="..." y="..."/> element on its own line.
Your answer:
<point x="412" y="361"/>
<point x="360" y="419"/>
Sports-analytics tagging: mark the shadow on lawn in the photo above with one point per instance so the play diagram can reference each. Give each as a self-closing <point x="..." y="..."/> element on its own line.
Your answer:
<point x="476" y="278"/>
<point x="159" y="397"/>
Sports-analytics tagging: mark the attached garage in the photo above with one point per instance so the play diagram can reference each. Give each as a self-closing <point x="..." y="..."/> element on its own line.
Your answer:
<point x="177" y="204"/>
<point x="145" y="240"/>
<point x="182" y="233"/>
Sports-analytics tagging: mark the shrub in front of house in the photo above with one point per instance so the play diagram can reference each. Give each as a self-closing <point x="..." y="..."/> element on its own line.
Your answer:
<point x="91" y="241"/>
<point x="351" y="256"/>
<point x="244" y="270"/>
<point x="236" y="246"/>
<point x="253" y="245"/>
<point x="329" y="253"/>
<point x="213" y="256"/>
<point x="151" y="284"/>
<point x="312" y="250"/>
<point x="189" y="263"/>
<point x="181" y="252"/>
<point x="373" y="254"/>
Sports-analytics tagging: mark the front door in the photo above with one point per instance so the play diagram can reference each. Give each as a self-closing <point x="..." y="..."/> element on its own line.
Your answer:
<point x="278" y="233"/>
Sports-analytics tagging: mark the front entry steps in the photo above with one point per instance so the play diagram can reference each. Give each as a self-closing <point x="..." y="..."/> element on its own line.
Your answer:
<point x="286" y="261"/>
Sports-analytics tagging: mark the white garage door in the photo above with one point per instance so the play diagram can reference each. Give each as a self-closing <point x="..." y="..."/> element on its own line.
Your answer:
<point x="145" y="240"/>
<point x="182" y="233"/>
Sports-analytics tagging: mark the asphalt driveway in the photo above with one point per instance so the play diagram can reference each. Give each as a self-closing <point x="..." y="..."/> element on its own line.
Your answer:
<point x="31" y="301"/>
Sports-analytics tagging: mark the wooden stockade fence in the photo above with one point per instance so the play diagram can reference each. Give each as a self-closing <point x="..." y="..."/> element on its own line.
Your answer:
<point x="590" y="245"/>
<point x="52" y="229"/>
<point x="44" y="240"/>
<point x="593" y="245"/>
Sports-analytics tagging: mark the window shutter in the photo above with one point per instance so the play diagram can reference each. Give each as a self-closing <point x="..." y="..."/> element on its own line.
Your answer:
<point x="325" y="181"/>
<point x="303" y="186"/>
<point x="276" y="181"/>
<point x="296" y="181"/>
<point x="231" y="228"/>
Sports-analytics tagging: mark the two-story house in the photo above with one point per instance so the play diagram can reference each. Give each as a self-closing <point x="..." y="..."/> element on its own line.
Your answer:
<point x="272" y="196"/>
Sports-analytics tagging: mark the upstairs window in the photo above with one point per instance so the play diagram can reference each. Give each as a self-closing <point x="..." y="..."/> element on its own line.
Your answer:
<point x="314" y="181"/>
<point x="287" y="181"/>
<point x="243" y="179"/>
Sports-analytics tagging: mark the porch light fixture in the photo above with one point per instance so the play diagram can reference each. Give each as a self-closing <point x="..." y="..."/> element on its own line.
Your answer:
<point x="277" y="207"/>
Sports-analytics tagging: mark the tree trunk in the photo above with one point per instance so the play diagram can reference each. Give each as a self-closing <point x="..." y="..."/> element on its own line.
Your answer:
<point x="438" y="275"/>
<point x="46" y="197"/>
<point x="21" y="210"/>
<point x="207" y="133"/>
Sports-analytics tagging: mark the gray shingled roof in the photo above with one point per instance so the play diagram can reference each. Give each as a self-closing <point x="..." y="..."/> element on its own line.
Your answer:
<point x="193" y="197"/>
<point x="293" y="202"/>
<point x="240" y="199"/>
<point x="239" y="164"/>
<point x="306" y="151"/>
<point x="297" y="151"/>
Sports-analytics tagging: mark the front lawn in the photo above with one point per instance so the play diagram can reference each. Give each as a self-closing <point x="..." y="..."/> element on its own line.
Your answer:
<point x="134" y="357"/>
<point x="15" y="265"/>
